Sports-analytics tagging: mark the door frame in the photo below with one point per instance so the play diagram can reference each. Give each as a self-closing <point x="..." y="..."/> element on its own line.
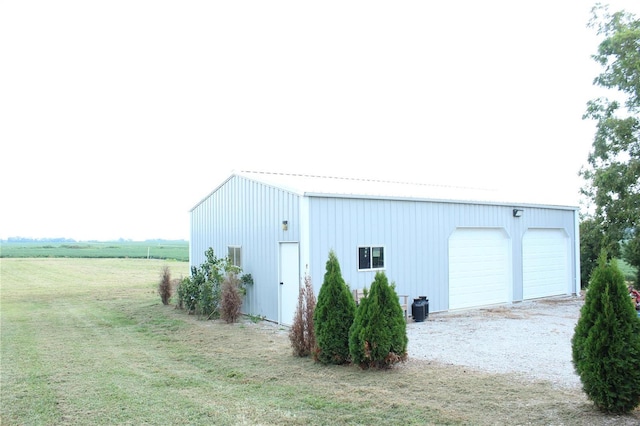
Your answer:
<point x="288" y="279"/>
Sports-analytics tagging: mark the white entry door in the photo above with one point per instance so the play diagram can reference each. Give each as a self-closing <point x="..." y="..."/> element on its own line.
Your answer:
<point x="289" y="286"/>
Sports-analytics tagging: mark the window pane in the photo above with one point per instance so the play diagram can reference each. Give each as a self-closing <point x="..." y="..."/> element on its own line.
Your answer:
<point x="364" y="258"/>
<point x="377" y="257"/>
<point x="234" y="256"/>
<point x="238" y="257"/>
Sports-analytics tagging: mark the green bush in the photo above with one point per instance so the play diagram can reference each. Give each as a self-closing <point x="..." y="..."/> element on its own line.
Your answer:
<point x="606" y="342"/>
<point x="246" y="281"/>
<point x="208" y="299"/>
<point x="333" y="316"/>
<point x="301" y="334"/>
<point x="200" y="293"/>
<point x="378" y="336"/>
<point x="188" y="294"/>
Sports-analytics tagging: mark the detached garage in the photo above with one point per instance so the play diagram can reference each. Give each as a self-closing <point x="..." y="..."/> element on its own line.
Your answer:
<point x="461" y="248"/>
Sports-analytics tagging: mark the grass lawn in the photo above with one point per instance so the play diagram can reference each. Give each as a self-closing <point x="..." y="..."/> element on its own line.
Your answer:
<point x="630" y="273"/>
<point x="87" y="341"/>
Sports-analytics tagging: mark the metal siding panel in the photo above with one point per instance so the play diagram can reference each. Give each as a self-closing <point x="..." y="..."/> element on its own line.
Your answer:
<point x="415" y="234"/>
<point x="424" y="285"/>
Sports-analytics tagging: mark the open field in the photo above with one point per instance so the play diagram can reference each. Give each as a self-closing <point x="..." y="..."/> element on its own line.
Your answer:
<point x="174" y="250"/>
<point x="87" y="341"/>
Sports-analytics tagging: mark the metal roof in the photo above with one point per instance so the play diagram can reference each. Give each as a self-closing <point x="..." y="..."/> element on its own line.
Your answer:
<point x="332" y="186"/>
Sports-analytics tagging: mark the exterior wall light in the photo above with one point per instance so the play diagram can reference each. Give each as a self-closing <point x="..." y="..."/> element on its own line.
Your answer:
<point x="285" y="225"/>
<point x="517" y="212"/>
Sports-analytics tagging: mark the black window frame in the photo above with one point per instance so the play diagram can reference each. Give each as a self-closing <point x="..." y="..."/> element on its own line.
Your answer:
<point x="366" y="259"/>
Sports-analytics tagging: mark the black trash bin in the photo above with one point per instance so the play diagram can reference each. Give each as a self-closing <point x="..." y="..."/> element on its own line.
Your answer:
<point x="418" y="310"/>
<point x="425" y="300"/>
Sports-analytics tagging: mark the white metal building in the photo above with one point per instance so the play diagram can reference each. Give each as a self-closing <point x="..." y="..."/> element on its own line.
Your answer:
<point x="461" y="248"/>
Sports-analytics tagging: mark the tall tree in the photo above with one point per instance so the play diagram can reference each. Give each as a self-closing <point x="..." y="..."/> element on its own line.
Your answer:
<point x="613" y="172"/>
<point x="591" y="239"/>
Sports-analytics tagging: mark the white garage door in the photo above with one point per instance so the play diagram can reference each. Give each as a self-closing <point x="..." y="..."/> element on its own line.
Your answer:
<point x="479" y="267"/>
<point x="545" y="263"/>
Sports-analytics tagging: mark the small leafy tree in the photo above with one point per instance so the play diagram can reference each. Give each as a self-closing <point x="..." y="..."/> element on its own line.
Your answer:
<point x="200" y="293"/>
<point x="606" y="342"/>
<point x="301" y="334"/>
<point x="333" y="316"/>
<point x="231" y="298"/>
<point x="378" y="336"/>
<point x="164" y="287"/>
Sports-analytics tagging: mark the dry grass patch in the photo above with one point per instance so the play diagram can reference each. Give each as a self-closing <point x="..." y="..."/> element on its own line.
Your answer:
<point x="89" y="342"/>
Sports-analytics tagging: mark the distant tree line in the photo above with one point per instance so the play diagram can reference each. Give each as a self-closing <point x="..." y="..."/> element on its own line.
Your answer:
<point x="71" y="240"/>
<point x="39" y="240"/>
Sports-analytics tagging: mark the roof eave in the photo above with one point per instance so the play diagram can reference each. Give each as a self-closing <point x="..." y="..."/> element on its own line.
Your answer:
<point x="441" y="200"/>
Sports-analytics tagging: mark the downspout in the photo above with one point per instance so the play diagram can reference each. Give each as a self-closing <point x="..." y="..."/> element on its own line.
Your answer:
<point x="305" y="232"/>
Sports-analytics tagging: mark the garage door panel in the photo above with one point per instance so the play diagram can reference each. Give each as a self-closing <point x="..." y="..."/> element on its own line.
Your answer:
<point x="545" y="263"/>
<point x="479" y="267"/>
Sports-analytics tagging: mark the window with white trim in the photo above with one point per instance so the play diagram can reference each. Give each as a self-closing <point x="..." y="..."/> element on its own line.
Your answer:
<point x="235" y="256"/>
<point x="370" y="257"/>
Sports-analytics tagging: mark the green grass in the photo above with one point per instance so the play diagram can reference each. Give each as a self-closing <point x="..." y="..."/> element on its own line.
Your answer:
<point x="628" y="271"/>
<point x="87" y="341"/>
<point x="176" y="250"/>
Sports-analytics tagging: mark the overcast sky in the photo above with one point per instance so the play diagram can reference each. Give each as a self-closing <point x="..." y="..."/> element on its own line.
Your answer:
<point x="117" y="117"/>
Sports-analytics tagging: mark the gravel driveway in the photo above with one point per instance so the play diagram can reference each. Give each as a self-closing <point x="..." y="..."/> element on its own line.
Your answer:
<point x="531" y="338"/>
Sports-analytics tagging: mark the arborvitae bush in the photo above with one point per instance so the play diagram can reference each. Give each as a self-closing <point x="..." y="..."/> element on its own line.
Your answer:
<point x="378" y="336"/>
<point x="164" y="287"/>
<point x="231" y="299"/>
<point x="333" y="316"/>
<point x="606" y="342"/>
<point x="301" y="334"/>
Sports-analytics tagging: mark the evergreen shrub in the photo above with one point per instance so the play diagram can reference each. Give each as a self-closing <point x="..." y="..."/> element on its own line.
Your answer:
<point x="606" y="342"/>
<point x="378" y="336"/>
<point x="333" y="316"/>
